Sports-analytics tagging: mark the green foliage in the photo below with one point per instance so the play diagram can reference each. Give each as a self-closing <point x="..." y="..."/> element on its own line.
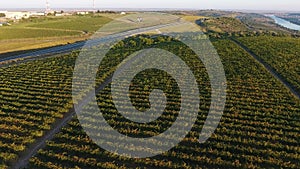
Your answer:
<point x="50" y="26"/>
<point x="259" y="128"/>
<point x="222" y="24"/>
<point x="17" y="33"/>
<point x="79" y="23"/>
<point x="33" y="96"/>
<point x="281" y="53"/>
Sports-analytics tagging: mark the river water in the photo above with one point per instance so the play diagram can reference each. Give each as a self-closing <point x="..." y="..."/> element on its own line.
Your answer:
<point x="285" y="23"/>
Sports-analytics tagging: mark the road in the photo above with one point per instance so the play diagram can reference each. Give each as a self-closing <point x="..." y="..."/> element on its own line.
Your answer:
<point x="79" y="45"/>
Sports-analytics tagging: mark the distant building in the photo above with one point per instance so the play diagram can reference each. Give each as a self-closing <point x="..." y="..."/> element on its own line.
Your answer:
<point x="123" y="13"/>
<point x="82" y="12"/>
<point x="37" y="14"/>
<point x="4" y="23"/>
<point x="59" y="14"/>
<point x="17" y="15"/>
<point x="49" y="12"/>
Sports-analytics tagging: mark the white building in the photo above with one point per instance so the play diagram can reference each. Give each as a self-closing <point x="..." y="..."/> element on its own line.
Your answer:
<point x="82" y="12"/>
<point x="20" y="15"/>
<point x="17" y="15"/>
<point x="37" y="14"/>
<point x="3" y="12"/>
<point x="59" y="14"/>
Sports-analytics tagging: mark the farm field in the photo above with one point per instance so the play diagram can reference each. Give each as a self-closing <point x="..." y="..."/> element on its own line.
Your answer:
<point x="19" y="45"/>
<point x="34" y="95"/>
<point x="259" y="128"/>
<point x="223" y="24"/>
<point x="15" y="33"/>
<point x="281" y="53"/>
<point x="72" y="23"/>
<point x="49" y="31"/>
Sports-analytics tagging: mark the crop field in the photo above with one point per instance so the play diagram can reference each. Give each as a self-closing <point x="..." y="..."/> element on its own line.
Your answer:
<point x="223" y="24"/>
<point x="15" y="33"/>
<point x="49" y="31"/>
<point x="33" y="96"/>
<point x="282" y="53"/>
<point x="259" y="128"/>
<point x="76" y="23"/>
<point x="14" y="45"/>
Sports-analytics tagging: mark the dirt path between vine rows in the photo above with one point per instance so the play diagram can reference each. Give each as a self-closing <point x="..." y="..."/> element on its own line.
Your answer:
<point x="23" y="160"/>
<point x="49" y="135"/>
<point x="270" y="69"/>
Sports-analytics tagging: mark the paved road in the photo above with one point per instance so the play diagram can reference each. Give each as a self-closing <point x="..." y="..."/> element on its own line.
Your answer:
<point x="79" y="45"/>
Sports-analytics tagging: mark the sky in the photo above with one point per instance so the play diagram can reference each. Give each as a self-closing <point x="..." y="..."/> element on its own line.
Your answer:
<point x="281" y="5"/>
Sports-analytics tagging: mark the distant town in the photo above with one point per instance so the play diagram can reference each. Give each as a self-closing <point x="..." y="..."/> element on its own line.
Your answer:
<point x="8" y="16"/>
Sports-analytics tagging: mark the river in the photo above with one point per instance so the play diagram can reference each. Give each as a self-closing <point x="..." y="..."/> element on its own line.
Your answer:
<point x="284" y="23"/>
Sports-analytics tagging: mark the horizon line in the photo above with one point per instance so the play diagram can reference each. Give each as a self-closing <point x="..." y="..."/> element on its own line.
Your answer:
<point x="160" y="9"/>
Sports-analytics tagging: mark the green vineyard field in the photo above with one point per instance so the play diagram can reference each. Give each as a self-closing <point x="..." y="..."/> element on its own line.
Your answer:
<point x="33" y="95"/>
<point x="259" y="128"/>
<point x="281" y="53"/>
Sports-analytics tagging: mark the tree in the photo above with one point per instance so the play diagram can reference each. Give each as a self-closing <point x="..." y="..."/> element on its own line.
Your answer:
<point x="2" y="15"/>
